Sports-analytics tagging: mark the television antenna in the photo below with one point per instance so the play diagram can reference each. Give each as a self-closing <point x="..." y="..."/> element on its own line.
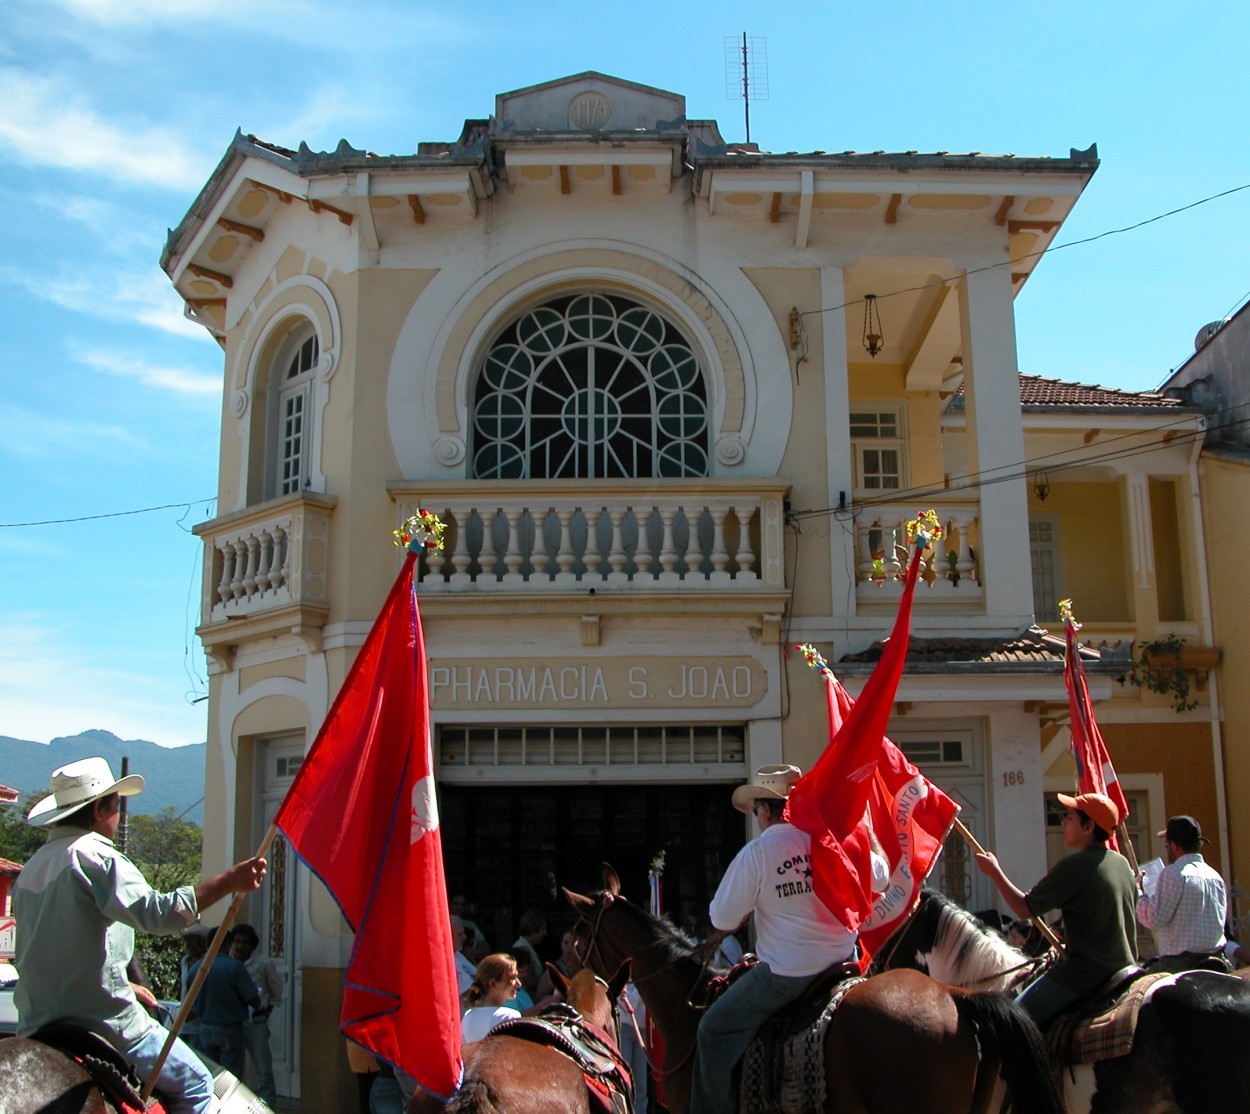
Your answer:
<point x="746" y="72"/>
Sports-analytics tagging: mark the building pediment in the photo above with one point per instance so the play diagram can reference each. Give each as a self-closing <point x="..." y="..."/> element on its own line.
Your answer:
<point x="588" y="102"/>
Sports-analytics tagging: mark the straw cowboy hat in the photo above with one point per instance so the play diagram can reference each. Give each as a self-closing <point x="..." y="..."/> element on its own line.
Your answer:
<point x="771" y="782"/>
<point x="78" y="784"/>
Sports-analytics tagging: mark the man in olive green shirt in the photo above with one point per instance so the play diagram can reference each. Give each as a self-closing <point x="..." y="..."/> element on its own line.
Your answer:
<point x="1095" y="890"/>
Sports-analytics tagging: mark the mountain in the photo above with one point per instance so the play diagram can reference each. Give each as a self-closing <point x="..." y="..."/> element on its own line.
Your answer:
<point x="174" y="775"/>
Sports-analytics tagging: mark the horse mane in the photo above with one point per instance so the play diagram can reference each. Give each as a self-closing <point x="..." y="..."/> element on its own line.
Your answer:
<point x="966" y="953"/>
<point x="672" y="944"/>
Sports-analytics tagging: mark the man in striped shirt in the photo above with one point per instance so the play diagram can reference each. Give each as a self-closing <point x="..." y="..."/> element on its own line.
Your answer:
<point x="1187" y="908"/>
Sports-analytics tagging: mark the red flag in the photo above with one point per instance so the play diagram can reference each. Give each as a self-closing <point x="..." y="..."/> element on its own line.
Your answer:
<point x="362" y="814"/>
<point x="862" y="797"/>
<point x="1094" y="772"/>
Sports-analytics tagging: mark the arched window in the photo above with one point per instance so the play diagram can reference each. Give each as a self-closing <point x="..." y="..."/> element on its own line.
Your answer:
<point x="291" y="430"/>
<point x="590" y="386"/>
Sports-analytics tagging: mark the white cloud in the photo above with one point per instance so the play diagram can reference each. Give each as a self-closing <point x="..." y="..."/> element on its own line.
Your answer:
<point x="40" y="436"/>
<point x="186" y="381"/>
<point x="52" y="683"/>
<point x="47" y="124"/>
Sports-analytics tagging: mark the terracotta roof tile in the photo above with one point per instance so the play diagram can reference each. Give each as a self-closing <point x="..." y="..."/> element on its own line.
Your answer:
<point x="1038" y="391"/>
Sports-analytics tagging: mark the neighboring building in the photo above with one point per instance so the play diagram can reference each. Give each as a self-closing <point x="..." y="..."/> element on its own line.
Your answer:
<point x="9" y="871"/>
<point x="629" y="364"/>
<point x="1216" y="378"/>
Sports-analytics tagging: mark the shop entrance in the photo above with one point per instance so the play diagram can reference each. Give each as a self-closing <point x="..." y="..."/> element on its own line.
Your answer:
<point x="511" y="848"/>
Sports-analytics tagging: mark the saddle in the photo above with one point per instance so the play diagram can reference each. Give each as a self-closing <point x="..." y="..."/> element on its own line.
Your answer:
<point x="1102" y="1026"/>
<point x="783" y="1070"/>
<point x="561" y="1027"/>
<point x="108" y="1070"/>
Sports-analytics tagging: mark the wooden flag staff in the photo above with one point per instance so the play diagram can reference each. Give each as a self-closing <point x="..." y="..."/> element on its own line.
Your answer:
<point x="202" y="973"/>
<point x="1042" y="926"/>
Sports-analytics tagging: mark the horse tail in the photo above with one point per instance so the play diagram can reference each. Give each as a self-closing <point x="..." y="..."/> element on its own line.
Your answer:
<point x="1007" y="1033"/>
<point x="475" y="1097"/>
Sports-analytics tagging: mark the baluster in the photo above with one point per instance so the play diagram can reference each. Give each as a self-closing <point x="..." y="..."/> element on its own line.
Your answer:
<point x="460" y="558"/>
<point x="277" y="563"/>
<point x="592" y="558"/>
<point x="436" y="559"/>
<point x="891" y="535"/>
<point x="692" y="556"/>
<point x="565" y="555"/>
<point x="668" y="552"/>
<point x="264" y="558"/>
<point x="487" y="557"/>
<point x="512" y="550"/>
<point x="617" y="556"/>
<point x="745" y="557"/>
<point x="865" y="567"/>
<point x="539" y="557"/>
<point x="642" y="551"/>
<point x="249" y="572"/>
<point x="964" y="564"/>
<point x="719" y="554"/>
<point x="225" y="589"/>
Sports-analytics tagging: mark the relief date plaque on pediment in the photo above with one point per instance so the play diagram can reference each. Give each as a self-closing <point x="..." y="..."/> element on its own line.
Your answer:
<point x="589" y="111"/>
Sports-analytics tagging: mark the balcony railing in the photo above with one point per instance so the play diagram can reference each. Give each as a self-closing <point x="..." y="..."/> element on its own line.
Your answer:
<point x="949" y="568"/>
<point x="545" y="536"/>
<point x="267" y="562"/>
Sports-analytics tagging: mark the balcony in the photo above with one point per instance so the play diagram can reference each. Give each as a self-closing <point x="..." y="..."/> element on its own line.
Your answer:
<point x="717" y="541"/>
<point x="949" y="570"/>
<point x="265" y="573"/>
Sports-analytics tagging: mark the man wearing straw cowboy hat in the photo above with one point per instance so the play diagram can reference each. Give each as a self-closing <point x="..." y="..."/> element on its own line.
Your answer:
<point x="78" y="902"/>
<point x="796" y="937"/>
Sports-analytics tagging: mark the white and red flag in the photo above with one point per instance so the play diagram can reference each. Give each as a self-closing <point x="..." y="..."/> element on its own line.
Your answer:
<point x="362" y="814"/>
<point x="877" y="824"/>
<point x="1094" y="772"/>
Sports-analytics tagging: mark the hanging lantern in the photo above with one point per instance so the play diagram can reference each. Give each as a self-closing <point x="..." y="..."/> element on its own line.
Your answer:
<point x="873" y="338"/>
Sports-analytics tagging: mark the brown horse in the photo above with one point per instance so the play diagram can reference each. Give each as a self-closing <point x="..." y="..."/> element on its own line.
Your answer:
<point x="521" y="1076"/>
<point x="898" y="1043"/>
<point x="35" y="1077"/>
<point x="1191" y="1050"/>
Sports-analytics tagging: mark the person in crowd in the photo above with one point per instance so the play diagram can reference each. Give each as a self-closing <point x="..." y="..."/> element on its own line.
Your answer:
<point x="1188" y="905"/>
<point x="568" y="965"/>
<point x="475" y="946"/>
<point x="525" y="947"/>
<point x="464" y="966"/>
<point x="269" y="981"/>
<point x="78" y="902"/>
<point x="225" y="999"/>
<point x="633" y="1044"/>
<point x="796" y="936"/>
<point x="1094" y="888"/>
<point x="494" y="982"/>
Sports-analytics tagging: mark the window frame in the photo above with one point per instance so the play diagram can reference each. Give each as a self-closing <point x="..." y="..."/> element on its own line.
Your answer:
<point x="863" y="443"/>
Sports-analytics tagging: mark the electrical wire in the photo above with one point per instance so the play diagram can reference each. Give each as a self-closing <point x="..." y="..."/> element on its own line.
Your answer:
<point x="185" y="506"/>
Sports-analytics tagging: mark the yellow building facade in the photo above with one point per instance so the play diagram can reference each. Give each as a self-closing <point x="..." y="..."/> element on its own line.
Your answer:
<point x="675" y="399"/>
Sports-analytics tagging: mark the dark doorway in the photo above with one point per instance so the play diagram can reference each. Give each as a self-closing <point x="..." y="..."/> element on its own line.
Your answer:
<point x="508" y="849"/>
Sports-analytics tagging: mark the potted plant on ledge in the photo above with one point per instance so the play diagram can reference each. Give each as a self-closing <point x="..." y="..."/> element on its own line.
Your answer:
<point x="1170" y="668"/>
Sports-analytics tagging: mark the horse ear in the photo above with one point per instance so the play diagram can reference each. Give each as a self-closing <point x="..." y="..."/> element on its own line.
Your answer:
<point x="557" y="977"/>
<point x="618" y="981"/>
<point x="578" y="901"/>
<point x="611" y="880"/>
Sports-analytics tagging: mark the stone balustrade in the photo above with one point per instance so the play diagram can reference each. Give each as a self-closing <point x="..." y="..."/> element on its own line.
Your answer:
<point x="949" y="568"/>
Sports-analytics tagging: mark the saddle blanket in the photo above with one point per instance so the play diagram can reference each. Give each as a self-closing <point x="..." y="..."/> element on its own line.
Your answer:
<point x="1083" y="1039"/>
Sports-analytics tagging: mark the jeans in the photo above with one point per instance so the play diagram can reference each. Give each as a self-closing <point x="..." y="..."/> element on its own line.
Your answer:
<point x="727" y="1030"/>
<point x="184" y="1080"/>
<point x="224" y="1043"/>
<point x="1044" y="999"/>
<point x="256" y="1041"/>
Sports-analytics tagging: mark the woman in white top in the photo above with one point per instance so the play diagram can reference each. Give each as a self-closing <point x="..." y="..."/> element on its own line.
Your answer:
<point x="495" y="981"/>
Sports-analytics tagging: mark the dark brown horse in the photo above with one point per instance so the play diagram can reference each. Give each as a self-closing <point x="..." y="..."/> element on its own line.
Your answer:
<point x="34" y="1078"/>
<point x="898" y="1043"/>
<point x="511" y="1074"/>
<point x="1191" y="1051"/>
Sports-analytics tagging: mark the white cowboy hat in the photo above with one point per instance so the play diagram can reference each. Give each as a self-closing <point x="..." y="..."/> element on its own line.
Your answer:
<point x="771" y="782"/>
<point x="78" y="784"/>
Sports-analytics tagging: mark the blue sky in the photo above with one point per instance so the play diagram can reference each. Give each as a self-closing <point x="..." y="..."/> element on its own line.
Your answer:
<point x="115" y="112"/>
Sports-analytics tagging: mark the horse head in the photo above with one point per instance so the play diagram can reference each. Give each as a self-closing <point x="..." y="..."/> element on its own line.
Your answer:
<point x="591" y="997"/>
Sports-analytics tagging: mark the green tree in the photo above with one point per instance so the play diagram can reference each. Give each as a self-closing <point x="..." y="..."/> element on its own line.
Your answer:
<point x="169" y="851"/>
<point x="19" y="840"/>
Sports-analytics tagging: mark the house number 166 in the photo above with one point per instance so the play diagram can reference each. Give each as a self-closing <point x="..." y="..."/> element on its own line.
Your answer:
<point x="1013" y="777"/>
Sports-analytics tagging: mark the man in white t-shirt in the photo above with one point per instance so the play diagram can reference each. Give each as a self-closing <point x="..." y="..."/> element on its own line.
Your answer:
<point x="796" y="937"/>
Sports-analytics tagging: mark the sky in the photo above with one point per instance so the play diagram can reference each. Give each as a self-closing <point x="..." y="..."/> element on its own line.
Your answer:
<point x="115" y="112"/>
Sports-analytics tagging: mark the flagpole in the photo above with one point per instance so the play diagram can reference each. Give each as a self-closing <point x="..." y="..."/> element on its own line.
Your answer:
<point x="202" y="973"/>
<point x="1042" y="926"/>
<point x="1130" y="852"/>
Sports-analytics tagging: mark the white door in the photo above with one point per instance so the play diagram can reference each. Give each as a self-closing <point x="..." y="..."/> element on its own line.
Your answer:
<point x="279" y="758"/>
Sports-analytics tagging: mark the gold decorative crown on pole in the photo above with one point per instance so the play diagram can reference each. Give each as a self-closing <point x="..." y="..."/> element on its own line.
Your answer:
<point x="422" y="531"/>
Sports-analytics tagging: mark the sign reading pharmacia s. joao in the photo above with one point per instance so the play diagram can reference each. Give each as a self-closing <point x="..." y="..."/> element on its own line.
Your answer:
<point x="726" y="682"/>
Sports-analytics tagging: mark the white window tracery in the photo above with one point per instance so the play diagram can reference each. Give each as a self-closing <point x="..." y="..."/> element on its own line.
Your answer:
<point x="293" y="412"/>
<point x="590" y="386"/>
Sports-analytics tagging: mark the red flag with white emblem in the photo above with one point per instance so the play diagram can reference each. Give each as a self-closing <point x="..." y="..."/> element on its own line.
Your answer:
<point x="362" y="814"/>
